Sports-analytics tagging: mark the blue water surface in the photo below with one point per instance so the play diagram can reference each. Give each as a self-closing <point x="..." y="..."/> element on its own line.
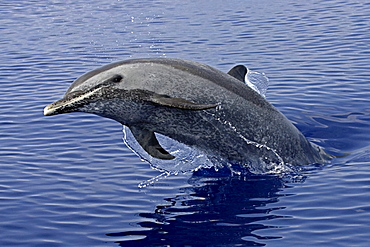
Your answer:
<point x="69" y="180"/>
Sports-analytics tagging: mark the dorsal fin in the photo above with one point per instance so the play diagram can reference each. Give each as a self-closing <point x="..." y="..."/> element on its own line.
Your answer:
<point x="239" y="72"/>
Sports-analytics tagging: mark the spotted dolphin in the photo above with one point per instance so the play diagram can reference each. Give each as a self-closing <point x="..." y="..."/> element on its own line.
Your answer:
<point x="192" y="103"/>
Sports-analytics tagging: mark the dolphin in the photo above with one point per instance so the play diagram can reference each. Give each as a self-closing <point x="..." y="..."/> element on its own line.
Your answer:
<point x="192" y="103"/>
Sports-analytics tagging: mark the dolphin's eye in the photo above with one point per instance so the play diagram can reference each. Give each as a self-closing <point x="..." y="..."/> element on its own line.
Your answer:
<point x="117" y="78"/>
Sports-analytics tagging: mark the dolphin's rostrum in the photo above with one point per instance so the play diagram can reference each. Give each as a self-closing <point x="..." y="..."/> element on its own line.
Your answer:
<point x="192" y="103"/>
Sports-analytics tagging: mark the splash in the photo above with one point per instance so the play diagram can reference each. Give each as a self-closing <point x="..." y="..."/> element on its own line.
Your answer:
<point x="259" y="82"/>
<point x="272" y="164"/>
<point x="187" y="159"/>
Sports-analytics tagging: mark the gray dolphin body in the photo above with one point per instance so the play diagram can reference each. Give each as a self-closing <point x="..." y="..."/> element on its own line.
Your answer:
<point x="192" y="103"/>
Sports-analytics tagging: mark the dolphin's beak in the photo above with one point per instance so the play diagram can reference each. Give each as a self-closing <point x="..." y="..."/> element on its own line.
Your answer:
<point x="70" y="103"/>
<point x="58" y="107"/>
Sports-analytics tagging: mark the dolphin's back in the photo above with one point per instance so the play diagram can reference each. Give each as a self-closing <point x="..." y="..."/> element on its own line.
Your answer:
<point x="207" y="73"/>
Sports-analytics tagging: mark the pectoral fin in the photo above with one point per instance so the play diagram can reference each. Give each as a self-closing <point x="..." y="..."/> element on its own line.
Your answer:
<point x="180" y="103"/>
<point x="149" y="143"/>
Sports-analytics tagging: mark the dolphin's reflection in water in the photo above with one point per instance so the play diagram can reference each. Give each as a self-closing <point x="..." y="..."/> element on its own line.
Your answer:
<point x="215" y="211"/>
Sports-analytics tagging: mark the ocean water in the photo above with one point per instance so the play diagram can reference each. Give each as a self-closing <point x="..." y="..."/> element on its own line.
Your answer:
<point x="69" y="180"/>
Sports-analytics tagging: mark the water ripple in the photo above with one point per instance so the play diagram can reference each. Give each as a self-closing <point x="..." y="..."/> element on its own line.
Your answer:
<point x="69" y="180"/>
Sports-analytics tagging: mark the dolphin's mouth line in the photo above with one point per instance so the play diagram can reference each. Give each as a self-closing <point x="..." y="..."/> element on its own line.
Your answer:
<point x="71" y="100"/>
<point x="62" y="105"/>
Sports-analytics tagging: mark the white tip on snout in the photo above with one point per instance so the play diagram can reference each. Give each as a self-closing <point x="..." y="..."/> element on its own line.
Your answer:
<point x="48" y="111"/>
